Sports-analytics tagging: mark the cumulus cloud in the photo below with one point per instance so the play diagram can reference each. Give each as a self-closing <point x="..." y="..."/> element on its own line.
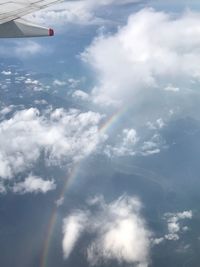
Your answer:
<point x="63" y="136"/>
<point x="130" y="136"/>
<point x="158" y="124"/>
<point x="69" y="82"/>
<point x="152" y="146"/>
<point x="57" y="82"/>
<point x="33" y="84"/>
<point x="173" y="223"/>
<point x="81" y="95"/>
<point x="127" y="70"/>
<point x="125" y="145"/>
<point x="6" y="73"/>
<point x="34" y="184"/>
<point x="175" y="226"/>
<point x="72" y="229"/>
<point x="142" y="56"/>
<point x="128" y="143"/>
<point x="118" y="231"/>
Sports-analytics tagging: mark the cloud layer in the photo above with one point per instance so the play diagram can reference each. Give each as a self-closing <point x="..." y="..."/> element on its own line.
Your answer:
<point x="82" y="12"/>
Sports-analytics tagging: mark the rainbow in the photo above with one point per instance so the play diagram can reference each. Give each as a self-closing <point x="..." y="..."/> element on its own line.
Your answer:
<point x="73" y="174"/>
<point x="53" y="219"/>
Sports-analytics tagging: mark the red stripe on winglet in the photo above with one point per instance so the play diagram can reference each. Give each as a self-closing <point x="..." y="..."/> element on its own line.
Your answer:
<point x="51" y="32"/>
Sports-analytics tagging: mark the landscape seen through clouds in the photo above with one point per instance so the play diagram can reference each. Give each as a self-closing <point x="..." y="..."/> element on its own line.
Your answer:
<point x="100" y="137"/>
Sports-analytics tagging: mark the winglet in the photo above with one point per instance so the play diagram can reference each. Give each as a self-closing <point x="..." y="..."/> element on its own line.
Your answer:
<point x="21" y="28"/>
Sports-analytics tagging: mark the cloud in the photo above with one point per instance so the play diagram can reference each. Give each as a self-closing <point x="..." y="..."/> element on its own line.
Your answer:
<point x="6" y="110"/>
<point x="125" y="144"/>
<point x="57" y="82"/>
<point x="34" y="85"/>
<point x="40" y="102"/>
<point x="129" y="143"/>
<point x="158" y="124"/>
<point x="63" y="136"/>
<point x="2" y="188"/>
<point x="29" y="48"/>
<point x="22" y="50"/>
<point x="142" y="57"/>
<point x="172" y="88"/>
<point x="175" y="226"/>
<point x="138" y="74"/>
<point x="118" y="231"/>
<point x="152" y="146"/>
<point x="82" y="12"/>
<point x="158" y="241"/>
<point x="6" y="73"/>
<point x="79" y="94"/>
<point x="34" y="184"/>
<point x="73" y="226"/>
<point x="130" y="136"/>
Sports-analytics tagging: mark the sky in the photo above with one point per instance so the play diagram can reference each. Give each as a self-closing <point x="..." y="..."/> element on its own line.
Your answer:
<point x="99" y="137"/>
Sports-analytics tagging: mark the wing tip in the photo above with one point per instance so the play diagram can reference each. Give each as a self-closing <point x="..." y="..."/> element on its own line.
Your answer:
<point x="51" y="32"/>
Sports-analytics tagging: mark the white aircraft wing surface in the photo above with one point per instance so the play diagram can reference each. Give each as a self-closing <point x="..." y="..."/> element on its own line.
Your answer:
<point x="11" y="24"/>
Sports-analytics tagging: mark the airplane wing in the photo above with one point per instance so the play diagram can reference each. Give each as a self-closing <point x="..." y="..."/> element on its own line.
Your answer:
<point x="11" y="24"/>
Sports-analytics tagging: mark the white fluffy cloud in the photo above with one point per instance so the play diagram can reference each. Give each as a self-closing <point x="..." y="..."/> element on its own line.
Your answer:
<point x="34" y="184"/>
<point x="7" y="73"/>
<point x="143" y="56"/>
<point x="72" y="229"/>
<point x="173" y="223"/>
<point x="81" y="95"/>
<point x="63" y="136"/>
<point x="125" y="145"/>
<point x="57" y="82"/>
<point x="175" y="226"/>
<point x="121" y="233"/>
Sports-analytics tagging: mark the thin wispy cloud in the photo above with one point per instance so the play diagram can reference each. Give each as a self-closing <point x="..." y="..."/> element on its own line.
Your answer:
<point x="82" y="12"/>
